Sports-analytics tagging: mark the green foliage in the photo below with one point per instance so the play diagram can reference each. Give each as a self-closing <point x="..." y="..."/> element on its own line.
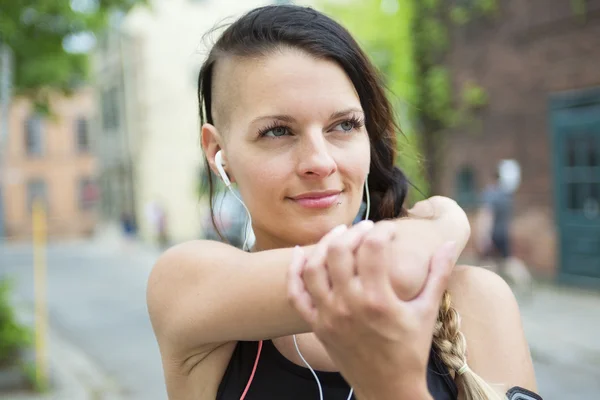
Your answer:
<point x="13" y="336"/>
<point x="29" y="370"/>
<point x="36" y="30"/>
<point x="434" y="36"/>
<point x="460" y="15"/>
<point x="579" y="8"/>
<point x="474" y="96"/>
<point x="431" y="5"/>
<point x="438" y="87"/>
<point x="486" y="7"/>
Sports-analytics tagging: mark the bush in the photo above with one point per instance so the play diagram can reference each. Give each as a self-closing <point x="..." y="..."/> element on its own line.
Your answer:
<point x="13" y="336"/>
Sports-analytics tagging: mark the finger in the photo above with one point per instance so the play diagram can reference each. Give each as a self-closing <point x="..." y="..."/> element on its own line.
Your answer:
<point x="314" y="274"/>
<point x="374" y="257"/>
<point x="297" y="294"/>
<point x="340" y="259"/>
<point x="440" y="268"/>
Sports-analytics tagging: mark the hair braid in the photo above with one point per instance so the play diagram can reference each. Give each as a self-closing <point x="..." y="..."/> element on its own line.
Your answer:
<point x="451" y="347"/>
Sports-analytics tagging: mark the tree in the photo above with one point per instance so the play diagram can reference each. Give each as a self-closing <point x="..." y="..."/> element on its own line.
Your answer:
<point x="43" y="36"/>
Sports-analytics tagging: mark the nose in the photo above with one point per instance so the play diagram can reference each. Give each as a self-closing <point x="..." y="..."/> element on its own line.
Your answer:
<point x="315" y="159"/>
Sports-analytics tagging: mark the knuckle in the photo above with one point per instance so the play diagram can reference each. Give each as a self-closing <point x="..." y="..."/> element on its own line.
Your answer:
<point x="374" y="243"/>
<point x="375" y="305"/>
<point x="311" y="269"/>
<point x="341" y="311"/>
<point x="337" y="247"/>
<point x="291" y="299"/>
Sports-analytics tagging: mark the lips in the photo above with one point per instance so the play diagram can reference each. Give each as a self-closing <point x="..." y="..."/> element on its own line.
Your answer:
<point x="321" y="199"/>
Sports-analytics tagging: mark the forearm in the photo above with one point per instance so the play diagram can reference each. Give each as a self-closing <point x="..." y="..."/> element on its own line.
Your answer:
<point x="204" y="292"/>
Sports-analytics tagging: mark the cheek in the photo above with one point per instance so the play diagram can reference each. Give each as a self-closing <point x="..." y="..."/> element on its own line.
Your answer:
<point x="354" y="162"/>
<point x="260" y="183"/>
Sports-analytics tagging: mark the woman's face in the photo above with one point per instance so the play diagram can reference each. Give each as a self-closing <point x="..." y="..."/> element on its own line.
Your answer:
<point x="291" y="128"/>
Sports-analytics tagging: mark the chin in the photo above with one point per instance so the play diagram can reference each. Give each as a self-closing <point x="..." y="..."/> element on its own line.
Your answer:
<point x="311" y="230"/>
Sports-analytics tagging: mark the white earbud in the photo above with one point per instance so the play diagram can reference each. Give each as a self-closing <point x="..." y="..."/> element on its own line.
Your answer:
<point x="219" y="162"/>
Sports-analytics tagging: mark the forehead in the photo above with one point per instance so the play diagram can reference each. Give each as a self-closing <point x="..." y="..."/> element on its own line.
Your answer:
<point x="284" y="82"/>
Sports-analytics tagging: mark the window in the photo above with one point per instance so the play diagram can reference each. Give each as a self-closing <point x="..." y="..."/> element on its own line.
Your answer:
<point x="34" y="136"/>
<point x="110" y="109"/>
<point x="87" y="193"/>
<point x="82" y="135"/>
<point x="466" y="188"/>
<point x="36" y="190"/>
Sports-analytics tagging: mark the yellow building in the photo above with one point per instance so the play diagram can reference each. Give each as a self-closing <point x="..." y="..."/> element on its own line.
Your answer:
<point x="50" y="158"/>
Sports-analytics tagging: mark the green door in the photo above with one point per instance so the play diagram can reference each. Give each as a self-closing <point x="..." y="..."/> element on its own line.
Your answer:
<point x="576" y="139"/>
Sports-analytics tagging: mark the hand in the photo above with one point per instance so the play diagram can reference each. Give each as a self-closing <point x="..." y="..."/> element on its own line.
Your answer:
<point x="343" y="290"/>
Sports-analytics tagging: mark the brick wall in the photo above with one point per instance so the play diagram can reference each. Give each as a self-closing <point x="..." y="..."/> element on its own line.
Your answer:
<point x="529" y="51"/>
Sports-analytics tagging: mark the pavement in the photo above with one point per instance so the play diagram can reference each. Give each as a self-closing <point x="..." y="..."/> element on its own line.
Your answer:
<point x="102" y="346"/>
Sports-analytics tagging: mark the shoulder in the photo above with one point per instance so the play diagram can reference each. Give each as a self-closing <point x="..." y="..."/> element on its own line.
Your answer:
<point x="486" y="303"/>
<point x="491" y="323"/>
<point x="471" y="285"/>
<point x="179" y="267"/>
<point x="185" y="258"/>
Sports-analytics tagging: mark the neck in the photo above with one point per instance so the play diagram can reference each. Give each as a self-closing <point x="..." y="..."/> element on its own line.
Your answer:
<point x="266" y="241"/>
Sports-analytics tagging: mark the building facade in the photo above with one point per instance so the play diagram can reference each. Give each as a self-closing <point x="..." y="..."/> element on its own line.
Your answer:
<point x="50" y="159"/>
<point x="538" y="62"/>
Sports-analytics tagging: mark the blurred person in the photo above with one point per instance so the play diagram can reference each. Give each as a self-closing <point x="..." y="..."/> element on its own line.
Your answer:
<point x="493" y="240"/>
<point x="128" y="228"/>
<point x="156" y="218"/>
<point x="162" y="228"/>
<point x="294" y="113"/>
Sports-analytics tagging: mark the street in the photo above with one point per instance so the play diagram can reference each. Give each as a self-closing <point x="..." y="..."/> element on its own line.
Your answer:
<point x="96" y="300"/>
<point x="96" y="297"/>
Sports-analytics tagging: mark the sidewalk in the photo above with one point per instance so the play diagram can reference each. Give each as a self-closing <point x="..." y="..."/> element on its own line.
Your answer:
<point x="562" y="325"/>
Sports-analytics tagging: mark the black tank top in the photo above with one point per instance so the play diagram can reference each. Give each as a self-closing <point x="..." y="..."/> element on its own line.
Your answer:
<point x="278" y="378"/>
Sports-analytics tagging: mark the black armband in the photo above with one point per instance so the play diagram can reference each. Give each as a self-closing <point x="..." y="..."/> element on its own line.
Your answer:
<point x="518" y="393"/>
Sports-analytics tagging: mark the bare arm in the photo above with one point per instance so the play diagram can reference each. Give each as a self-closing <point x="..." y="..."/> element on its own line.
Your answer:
<point x="204" y="293"/>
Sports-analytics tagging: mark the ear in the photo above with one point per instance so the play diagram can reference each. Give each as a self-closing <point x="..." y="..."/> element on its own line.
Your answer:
<point x="211" y="144"/>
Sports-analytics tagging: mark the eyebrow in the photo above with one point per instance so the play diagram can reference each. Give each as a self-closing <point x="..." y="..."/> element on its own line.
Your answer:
<point x="290" y="119"/>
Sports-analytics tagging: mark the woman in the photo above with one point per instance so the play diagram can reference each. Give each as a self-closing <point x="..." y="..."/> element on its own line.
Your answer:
<point x="294" y="114"/>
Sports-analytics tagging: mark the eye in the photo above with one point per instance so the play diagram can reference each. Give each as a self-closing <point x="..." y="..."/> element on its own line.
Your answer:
<point x="349" y="125"/>
<point x="275" y="132"/>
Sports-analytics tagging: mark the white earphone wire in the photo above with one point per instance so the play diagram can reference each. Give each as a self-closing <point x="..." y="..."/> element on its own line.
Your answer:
<point x="309" y="367"/>
<point x="368" y="197"/>
<point x="248" y="223"/>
